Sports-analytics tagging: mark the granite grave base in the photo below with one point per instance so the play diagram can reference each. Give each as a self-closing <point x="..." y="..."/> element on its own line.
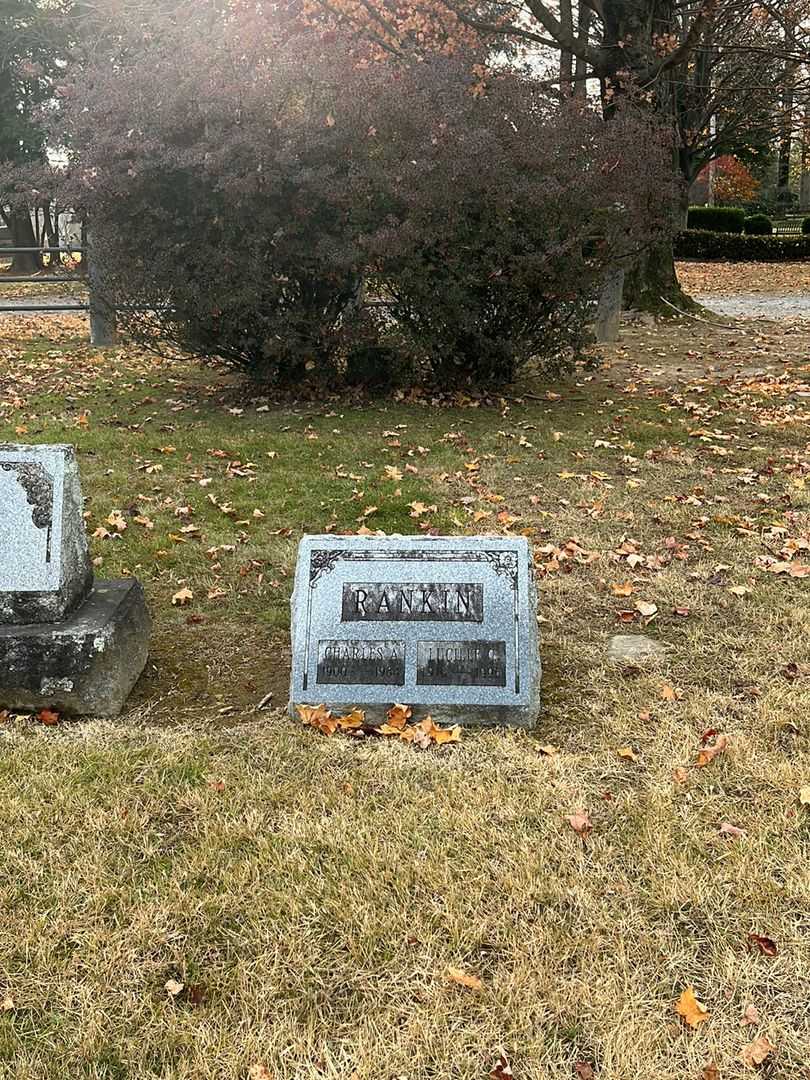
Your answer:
<point x="84" y="665"/>
<point x="445" y="715"/>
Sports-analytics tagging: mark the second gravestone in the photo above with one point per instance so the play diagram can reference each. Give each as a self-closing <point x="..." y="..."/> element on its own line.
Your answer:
<point x="445" y="624"/>
<point x="67" y="642"/>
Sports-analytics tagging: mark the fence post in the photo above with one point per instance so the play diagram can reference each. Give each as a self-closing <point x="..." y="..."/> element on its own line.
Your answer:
<point x="102" y="316"/>
<point x="609" y="311"/>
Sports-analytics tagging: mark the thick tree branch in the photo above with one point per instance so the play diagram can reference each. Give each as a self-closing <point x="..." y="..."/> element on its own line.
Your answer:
<point x="491" y="29"/>
<point x="562" y="39"/>
<point x="683" y="51"/>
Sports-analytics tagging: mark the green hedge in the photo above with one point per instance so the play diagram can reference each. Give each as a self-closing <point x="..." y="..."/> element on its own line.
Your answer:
<point x="725" y="219"/>
<point x="699" y="244"/>
<point x="806" y="226"/>
<point x="758" y="225"/>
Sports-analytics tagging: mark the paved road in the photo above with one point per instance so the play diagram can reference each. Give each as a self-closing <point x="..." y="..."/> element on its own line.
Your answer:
<point x="758" y="305"/>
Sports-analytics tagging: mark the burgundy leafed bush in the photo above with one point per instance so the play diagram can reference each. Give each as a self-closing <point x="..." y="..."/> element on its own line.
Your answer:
<point x="298" y="214"/>
<point x="503" y="212"/>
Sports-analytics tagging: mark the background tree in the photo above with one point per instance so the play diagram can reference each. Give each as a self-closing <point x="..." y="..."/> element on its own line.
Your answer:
<point x="692" y="63"/>
<point x="33" y="45"/>
<point x="731" y="181"/>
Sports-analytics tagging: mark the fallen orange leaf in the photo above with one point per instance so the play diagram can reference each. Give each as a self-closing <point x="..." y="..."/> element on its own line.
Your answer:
<point x="755" y="1052"/>
<point x="351" y="721"/>
<point x="623" y="588"/>
<point x="388" y="729"/>
<point x="709" y="753"/>
<point x="727" y="829"/>
<point x="693" y="1011"/>
<point x="472" y="982"/>
<point x="399" y="715"/>
<point x="319" y="717"/>
<point x="259" y="1072"/>
<point x="750" y="1015"/>
<point x="581" y="823"/>
<point x="446" y="735"/>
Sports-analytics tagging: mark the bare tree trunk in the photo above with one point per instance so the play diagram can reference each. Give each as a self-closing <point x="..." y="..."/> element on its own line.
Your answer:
<point x="103" y="326"/>
<point x="580" y="71"/>
<point x="609" y="311"/>
<point x="50" y="229"/>
<point x="783" y="193"/>
<point x="652" y="279"/>
<point x="566" y="57"/>
<point x="23" y="235"/>
<point x="804" y="189"/>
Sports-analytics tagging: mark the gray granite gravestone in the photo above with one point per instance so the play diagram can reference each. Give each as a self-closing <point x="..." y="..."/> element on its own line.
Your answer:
<point x="65" y="643"/>
<point x="445" y="624"/>
<point x="45" y="568"/>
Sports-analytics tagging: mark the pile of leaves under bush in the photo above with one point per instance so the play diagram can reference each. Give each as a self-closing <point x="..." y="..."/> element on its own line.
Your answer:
<point x="698" y="244"/>
<point x="272" y="187"/>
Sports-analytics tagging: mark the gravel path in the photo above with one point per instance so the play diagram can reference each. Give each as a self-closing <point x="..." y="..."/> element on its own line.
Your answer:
<point x="745" y="305"/>
<point x="758" y="305"/>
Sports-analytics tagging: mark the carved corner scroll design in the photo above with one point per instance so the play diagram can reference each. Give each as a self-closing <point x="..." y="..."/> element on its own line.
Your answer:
<point x="505" y="564"/>
<point x="323" y="562"/>
<point x="37" y="484"/>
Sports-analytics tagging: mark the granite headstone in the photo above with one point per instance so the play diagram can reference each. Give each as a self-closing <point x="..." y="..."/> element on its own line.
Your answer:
<point x="444" y="624"/>
<point x="45" y="568"/>
<point x="66" y="643"/>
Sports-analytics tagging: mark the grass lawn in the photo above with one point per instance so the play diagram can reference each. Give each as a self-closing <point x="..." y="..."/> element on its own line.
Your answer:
<point x="310" y="893"/>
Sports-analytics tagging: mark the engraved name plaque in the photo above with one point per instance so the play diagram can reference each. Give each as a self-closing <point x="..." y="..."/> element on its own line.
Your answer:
<point x="461" y="663"/>
<point x="361" y="662"/>
<point x="444" y="624"/>
<point x="409" y="602"/>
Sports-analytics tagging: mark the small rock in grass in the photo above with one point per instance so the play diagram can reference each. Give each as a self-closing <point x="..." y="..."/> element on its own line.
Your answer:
<point x="633" y="648"/>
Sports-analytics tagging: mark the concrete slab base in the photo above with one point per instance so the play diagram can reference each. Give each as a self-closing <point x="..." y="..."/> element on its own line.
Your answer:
<point x="85" y="665"/>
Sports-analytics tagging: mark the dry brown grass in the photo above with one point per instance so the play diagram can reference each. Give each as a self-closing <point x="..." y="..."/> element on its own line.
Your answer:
<point x="310" y="893"/>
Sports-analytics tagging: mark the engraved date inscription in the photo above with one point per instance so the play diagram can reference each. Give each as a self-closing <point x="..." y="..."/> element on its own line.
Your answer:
<point x="363" y="662"/>
<point x="461" y="663"/>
